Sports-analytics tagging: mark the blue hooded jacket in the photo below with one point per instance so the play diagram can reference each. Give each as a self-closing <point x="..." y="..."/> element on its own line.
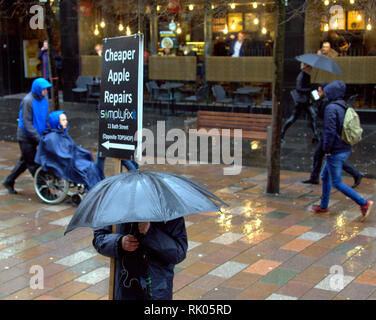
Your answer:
<point x="333" y="119"/>
<point x="32" y="120"/>
<point x="58" y="154"/>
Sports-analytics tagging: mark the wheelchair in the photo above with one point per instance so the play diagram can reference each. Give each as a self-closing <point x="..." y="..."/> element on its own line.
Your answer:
<point x="53" y="190"/>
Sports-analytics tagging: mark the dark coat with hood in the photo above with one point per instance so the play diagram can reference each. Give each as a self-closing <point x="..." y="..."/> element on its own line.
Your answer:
<point x="334" y="116"/>
<point x="59" y="155"/>
<point x="164" y="246"/>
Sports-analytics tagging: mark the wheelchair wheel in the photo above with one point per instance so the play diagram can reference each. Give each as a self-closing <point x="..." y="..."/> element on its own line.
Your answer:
<point x="49" y="188"/>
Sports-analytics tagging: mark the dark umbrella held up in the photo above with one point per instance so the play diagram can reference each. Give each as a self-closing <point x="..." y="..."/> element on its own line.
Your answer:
<point x="142" y="196"/>
<point x="320" y="62"/>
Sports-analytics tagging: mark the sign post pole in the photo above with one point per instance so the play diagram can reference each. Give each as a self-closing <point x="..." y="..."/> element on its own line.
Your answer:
<point x="121" y="106"/>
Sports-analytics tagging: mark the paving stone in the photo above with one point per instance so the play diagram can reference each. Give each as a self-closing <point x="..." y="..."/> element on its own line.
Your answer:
<point x="279" y="276"/>
<point x="193" y="244"/>
<point x="368" y="232"/>
<point x="367" y="277"/>
<point x="221" y="293"/>
<point x="227" y="238"/>
<point x="357" y="291"/>
<point x="75" y="258"/>
<point x="312" y="236"/>
<point x="228" y="269"/>
<point x="330" y="282"/>
<point x="276" y="296"/>
<point x="94" y="276"/>
<point x="263" y="267"/>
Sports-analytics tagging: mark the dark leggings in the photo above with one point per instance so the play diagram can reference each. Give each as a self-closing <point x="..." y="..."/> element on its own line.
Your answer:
<point x="301" y="107"/>
<point x="26" y="161"/>
<point x="318" y="158"/>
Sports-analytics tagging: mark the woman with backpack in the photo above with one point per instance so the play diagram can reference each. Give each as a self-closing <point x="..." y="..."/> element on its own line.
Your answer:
<point x="336" y="149"/>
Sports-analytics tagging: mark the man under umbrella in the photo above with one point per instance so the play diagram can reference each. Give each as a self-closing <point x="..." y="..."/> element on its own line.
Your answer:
<point x="143" y="252"/>
<point x="148" y="209"/>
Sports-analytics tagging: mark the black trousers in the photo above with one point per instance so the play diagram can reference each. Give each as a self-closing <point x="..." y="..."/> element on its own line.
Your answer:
<point x="318" y="158"/>
<point x="300" y="108"/>
<point x="26" y="161"/>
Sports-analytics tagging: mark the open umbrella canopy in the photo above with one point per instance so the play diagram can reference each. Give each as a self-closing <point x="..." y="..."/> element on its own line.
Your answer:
<point x="320" y="62"/>
<point x="142" y="196"/>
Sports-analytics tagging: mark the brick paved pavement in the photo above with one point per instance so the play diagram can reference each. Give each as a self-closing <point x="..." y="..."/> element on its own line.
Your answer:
<point x="262" y="247"/>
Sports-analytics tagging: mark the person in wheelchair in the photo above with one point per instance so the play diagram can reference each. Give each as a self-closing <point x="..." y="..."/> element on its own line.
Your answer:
<point x="59" y="155"/>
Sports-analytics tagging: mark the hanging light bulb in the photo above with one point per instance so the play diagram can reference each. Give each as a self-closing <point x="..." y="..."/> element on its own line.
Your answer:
<point x="326" y="27"/>
<point x="232" y="5"/>
<point x="335" y="25"/>
<point x="128" y="32"/>
<point x="254" y="5"/>
<point x="96" y="31"/>
<point x="359" y="17"/>
<point x="178" y="30"/>
<point x="158" y="8"/>
<point x="263" y="30"/>
<point x="256" y="21"/>
<point x="213" y="6"/>
<point x="225" y="30"/>
<point x="326" y="2"/>
<point x="121" y="27"/>
<point x="102" y="24"/>
<point x="352" y="1"/>
<point x="191" y="7"/>
<point x="369" y="25"/>
<point x="233" y="25"/>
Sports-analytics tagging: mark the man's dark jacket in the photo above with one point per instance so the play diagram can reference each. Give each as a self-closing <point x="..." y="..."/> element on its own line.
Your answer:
<point x="164" y="245"/>
<point x="333" y="119"/>
<point x="245" y="49"/>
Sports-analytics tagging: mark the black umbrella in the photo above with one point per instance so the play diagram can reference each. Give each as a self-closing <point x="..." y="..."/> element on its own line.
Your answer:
<point x="320" y="62"/>
<point x="142" y="196"/>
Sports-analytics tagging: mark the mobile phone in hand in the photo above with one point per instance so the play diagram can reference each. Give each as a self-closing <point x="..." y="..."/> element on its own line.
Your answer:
<point x="315" y="95"/>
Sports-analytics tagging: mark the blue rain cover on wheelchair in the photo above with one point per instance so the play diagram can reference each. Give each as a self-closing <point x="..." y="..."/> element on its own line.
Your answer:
<point x="58" y="154"/>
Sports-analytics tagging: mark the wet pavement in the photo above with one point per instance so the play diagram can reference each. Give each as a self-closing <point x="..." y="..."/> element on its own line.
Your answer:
<point x="261" y="247"/>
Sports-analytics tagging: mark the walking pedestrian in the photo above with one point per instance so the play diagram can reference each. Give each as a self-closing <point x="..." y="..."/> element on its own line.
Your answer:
<point x="319" y="155"/>
<point x="145" y="256"/>
<point x="32" y="122"/>
<point x="336" y="151"/>
<point x="43" y="57"/>
<point x="301" y="96"/>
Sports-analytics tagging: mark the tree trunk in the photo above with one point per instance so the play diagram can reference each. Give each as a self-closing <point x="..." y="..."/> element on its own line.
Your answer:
<point x="273" y="161"/>
<point x="50" y="20"/>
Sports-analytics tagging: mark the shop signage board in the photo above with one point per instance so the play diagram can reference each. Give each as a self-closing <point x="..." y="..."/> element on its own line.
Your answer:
<point x="121" y="106"/>
<point x="121" y="99"/>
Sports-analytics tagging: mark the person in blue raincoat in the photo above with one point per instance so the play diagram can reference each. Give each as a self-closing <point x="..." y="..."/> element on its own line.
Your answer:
<point x="143" y="252"/>
<point x="59" y="154"/>
<point x="32" y="121"/>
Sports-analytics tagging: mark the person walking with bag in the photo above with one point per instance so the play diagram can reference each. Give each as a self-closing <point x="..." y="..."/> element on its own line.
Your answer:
<point x="337" y="150"/>
<point x="319" y="155"/>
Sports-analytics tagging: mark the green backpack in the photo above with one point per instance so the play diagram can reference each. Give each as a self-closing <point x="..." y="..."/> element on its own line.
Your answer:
<point x="351" y="129"/>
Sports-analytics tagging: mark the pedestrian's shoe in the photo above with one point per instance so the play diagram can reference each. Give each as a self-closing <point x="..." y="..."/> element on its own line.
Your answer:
<point x="9" y="187"/>
<point x="366" y="210"/>
<point x="357" y="180"/>
<point x="311" y="181"/>
<point x="318" y="209"/>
